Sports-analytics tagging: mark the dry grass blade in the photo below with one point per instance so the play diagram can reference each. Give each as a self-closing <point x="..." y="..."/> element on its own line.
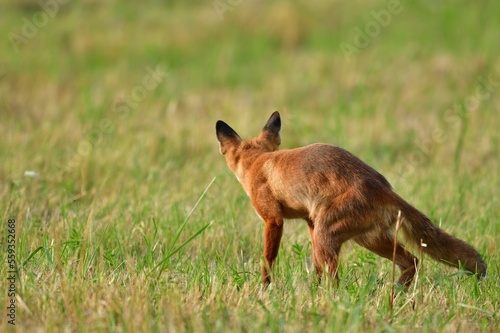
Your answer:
<point x="398" y="225"/>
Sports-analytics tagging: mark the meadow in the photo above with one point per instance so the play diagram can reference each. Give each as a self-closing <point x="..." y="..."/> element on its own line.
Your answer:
<point x="126" y="216"/>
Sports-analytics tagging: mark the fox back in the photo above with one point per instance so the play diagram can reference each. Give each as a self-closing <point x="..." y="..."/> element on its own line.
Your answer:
<point x="338" y="195"/>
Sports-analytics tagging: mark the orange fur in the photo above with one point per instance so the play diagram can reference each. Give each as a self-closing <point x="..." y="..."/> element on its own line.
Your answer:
<point x="339" y="196"/>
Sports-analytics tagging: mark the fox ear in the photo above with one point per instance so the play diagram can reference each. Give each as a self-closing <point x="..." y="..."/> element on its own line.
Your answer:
<point x="226" y="136"/>
<point x="272" y="129"/>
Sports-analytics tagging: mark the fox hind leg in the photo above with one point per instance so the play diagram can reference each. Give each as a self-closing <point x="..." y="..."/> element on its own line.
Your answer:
<point x="383" y="245"/>
<point x="327" y="242"/>
<point x="318" y="269"/>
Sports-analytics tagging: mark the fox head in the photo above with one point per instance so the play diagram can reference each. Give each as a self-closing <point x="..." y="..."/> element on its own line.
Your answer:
<point x="232" y="146"/>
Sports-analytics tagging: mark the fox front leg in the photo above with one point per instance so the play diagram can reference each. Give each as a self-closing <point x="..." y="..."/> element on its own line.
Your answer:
<point x="273" y="231"/>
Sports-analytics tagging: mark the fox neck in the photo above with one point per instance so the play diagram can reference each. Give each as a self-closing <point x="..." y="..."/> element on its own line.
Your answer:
<point x="240" y="161"/>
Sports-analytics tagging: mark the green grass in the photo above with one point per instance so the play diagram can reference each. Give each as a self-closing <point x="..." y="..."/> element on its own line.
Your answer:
<point x="123" y="230"/>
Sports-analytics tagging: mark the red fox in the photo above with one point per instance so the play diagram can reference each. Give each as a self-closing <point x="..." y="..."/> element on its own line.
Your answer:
<point x="339" y="196"/>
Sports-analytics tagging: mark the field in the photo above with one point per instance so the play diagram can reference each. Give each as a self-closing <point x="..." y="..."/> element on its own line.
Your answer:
<point x="125" y="216"/>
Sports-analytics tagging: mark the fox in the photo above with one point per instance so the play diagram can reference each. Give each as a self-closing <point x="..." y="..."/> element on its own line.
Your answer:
<point x="340" y="197"/>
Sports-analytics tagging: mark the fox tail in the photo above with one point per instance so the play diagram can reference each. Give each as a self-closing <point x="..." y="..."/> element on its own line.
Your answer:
<point x="440" y="245"/>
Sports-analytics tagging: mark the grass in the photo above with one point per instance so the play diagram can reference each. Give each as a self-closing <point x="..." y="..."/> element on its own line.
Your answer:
<point x="122" y="229"/>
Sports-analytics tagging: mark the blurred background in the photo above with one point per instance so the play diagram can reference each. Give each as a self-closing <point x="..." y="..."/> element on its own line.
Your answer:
<point x="389" y="74"/>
